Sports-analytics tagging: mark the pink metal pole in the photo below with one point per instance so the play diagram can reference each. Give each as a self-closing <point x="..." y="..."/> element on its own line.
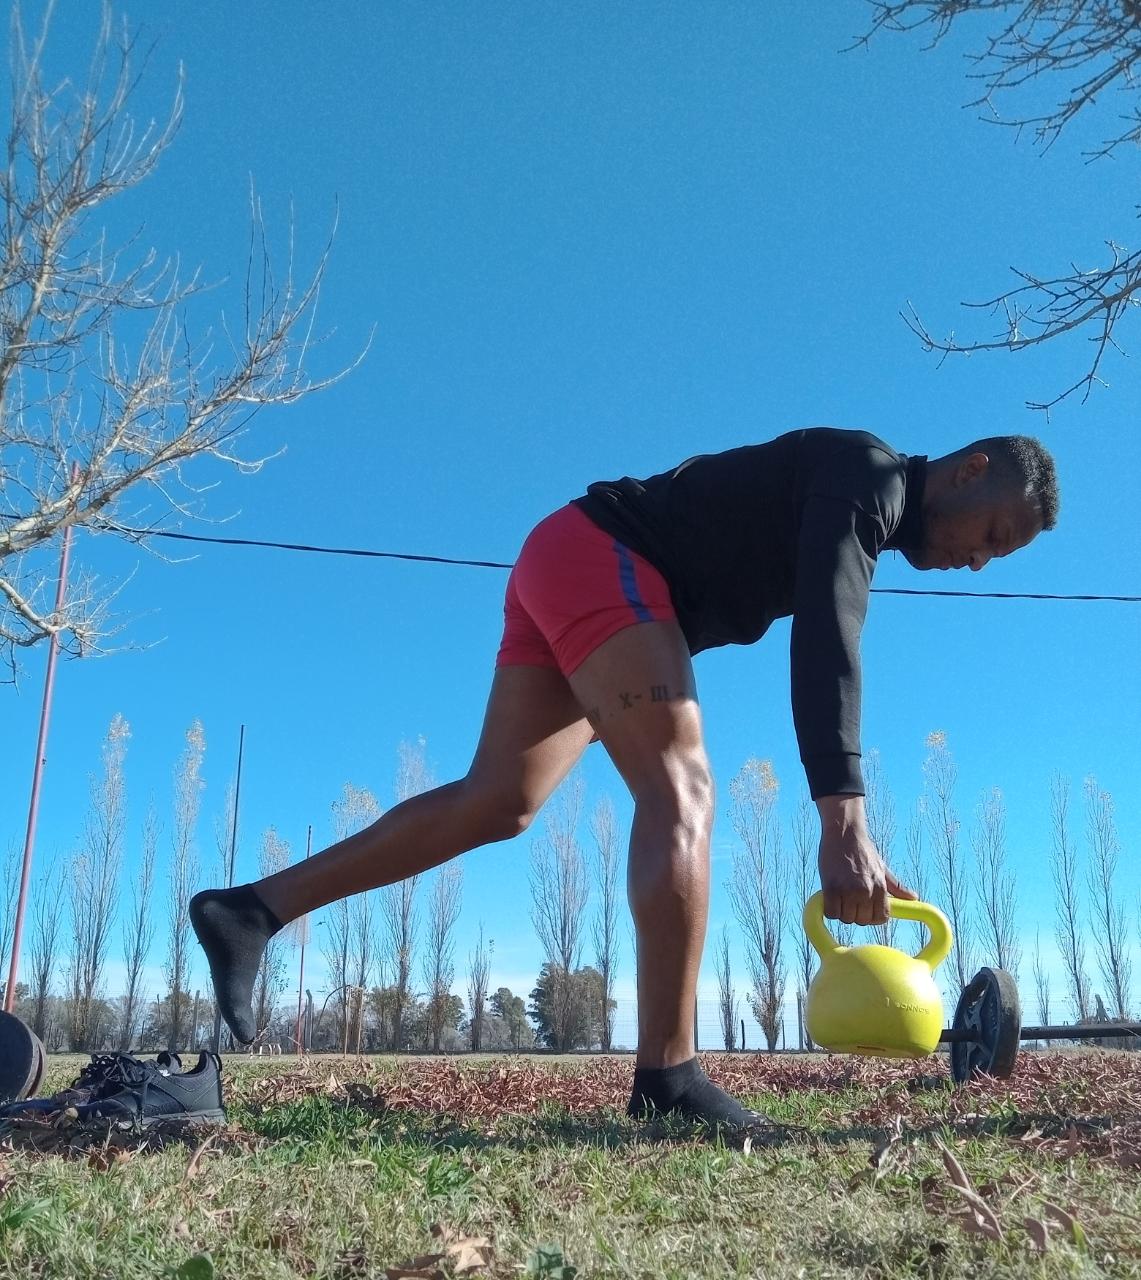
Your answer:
<point x="37" y="774"/>
<point x="301" y="978"/>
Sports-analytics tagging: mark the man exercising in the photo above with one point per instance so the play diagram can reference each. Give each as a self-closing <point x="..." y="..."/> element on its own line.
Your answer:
<point x="608" y="602"/>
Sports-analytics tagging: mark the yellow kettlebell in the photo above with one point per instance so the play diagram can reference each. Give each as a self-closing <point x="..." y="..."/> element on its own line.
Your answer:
<point x="875" y="1000"/>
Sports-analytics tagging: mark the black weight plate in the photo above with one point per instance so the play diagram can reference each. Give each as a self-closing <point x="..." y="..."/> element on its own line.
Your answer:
<point x="991" y="1013"/>
<point x="21" y="1059"/>
<point x="41" y="1067"/>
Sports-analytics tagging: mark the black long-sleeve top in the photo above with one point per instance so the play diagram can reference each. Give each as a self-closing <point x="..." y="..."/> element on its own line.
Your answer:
<point x="790" y="527"/>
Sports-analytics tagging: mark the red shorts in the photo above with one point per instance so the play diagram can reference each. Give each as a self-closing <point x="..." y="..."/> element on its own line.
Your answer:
<point x="572" y="588"/>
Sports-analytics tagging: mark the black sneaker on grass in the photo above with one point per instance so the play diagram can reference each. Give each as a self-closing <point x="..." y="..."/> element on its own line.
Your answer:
<point x="105" y="1073"/>
<point x="148" y="1095"/>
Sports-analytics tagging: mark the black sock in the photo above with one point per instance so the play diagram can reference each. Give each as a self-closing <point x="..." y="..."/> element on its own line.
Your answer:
<point x="686" y="1091"/>
<point x="233" y="926"/>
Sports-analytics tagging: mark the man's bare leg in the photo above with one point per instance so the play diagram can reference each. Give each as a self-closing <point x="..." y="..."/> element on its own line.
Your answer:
<point x="640" y="695"/>
<point x="533" y="734"/>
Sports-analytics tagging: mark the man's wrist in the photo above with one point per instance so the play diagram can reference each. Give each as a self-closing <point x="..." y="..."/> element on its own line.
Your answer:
<point x="841" y="812"/>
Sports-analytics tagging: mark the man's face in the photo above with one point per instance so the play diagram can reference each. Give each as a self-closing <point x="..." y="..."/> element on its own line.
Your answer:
<point x="971" y="520"/>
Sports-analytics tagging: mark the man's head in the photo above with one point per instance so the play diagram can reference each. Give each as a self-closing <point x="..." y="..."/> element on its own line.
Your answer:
<point x="986" y="500"/>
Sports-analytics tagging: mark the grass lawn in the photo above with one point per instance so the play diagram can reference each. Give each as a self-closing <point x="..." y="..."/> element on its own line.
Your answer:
<point x="508" y="1167"/>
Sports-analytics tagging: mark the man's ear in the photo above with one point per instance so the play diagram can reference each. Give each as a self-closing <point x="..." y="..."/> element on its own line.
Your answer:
<point x="973" y="467"/>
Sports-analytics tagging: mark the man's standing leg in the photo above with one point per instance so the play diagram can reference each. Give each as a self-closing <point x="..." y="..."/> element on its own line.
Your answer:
<point x="639" y="694"/>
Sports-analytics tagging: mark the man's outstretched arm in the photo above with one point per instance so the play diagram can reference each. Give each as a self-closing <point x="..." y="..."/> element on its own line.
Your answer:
<point x="836" y="558"/>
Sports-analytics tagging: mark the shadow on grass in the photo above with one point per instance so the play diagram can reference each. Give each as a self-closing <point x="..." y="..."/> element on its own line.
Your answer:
<point x="355" y="1127"/>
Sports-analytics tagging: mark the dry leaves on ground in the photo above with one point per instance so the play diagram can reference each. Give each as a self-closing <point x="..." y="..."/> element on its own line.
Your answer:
<point x="461" y="1255"/>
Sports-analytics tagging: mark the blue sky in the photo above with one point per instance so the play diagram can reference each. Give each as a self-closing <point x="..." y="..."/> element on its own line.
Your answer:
<point x="590" y="241"/>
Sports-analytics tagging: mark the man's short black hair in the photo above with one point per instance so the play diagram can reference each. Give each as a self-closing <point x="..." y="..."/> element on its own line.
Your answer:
<point x="1023" y="463"/>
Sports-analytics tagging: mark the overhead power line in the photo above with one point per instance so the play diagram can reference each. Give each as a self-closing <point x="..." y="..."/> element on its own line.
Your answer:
<point x="501" y="564"/>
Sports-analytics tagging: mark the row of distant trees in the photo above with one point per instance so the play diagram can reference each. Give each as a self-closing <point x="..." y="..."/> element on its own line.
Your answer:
<point x="968" y="873"/>
<point x="389" y="954"/>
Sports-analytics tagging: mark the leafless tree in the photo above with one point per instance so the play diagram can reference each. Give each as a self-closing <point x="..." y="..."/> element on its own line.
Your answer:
<point x="335" y="948"/>
<point x="43" y="949"/>
<point x="273" y="857"/>
<point x="349" y="945"/>
<point x="1067" y="907"/>
<point x="439" y="968"/>
<point x="759" y="890"/>
<point x="93" y="888"/>
<point x="398" y="903"/>
<point x="1093" y="49"/>
<point x="9" y="894"/>
<point x="604" y="830"/>
<point x="559" y="893"/>
<point x="943" y="828"/>
<point x="414" y="775"/>
<point x="1108" y="908"/>
<point x="138" y="933"/>
<point x="806" y="873"/>
<point x="226" y="835"/>
<point x="188" y="786"/>
<point x="915" y="864"/>
<point x="98" y="366"/>
<point x="879" y="805"/>
<point x="479" y="977"/>
<point x="355" y="809"/>
<point x="995" y="883"/>
<point x="726" y="997"/>
<point x="1041" y="982"/>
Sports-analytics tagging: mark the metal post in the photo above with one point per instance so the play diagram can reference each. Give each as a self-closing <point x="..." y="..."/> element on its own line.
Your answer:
<point x="217" y="1037"/>
<point x="742" y="1035"/>
<point x="301" y="976"/>
<point x="37" y="773"/>
<point x="696" y="1045"/>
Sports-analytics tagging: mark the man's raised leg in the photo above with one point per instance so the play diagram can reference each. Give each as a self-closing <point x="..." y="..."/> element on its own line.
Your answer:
<point x="640" y="695"/>
<point x="533" y="734"/>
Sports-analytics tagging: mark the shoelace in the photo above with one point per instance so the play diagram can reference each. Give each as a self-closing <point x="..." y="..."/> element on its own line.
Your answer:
<point x="107" y="1069"/>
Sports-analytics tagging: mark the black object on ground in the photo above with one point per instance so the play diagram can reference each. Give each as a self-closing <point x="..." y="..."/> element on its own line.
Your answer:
<point x="105" y="1074"/>
<point x="21" y="1059"/>
<point x="987" y="1029"/>
<point x="149" y="1095"/>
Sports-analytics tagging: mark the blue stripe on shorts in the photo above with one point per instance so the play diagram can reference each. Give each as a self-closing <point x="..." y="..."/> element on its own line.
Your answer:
<point x="630" y="584"/>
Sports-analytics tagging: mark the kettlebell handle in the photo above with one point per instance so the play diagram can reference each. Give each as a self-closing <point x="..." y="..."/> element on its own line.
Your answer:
<point x="932" y="955"/>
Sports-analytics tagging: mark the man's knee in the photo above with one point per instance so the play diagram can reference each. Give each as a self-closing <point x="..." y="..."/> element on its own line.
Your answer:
<point x="497" y="813"/>
<point x="677" y="799"/>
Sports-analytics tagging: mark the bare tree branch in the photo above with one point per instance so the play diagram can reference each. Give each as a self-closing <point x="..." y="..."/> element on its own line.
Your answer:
<point x="94" y="890"/>
<point x="1110" y="933"/>
<point x="188" y="787"/>
<point x="995" y="883"/>
<point x="1094" y="48"/>
<point x="604" y="831"/>
<point x="98" y="366"/>
<point x="1067" y="907"/>
<point x="879" y="805"/>
<point x="275" y="856"/>
<point x="726" y="997"/>
<point x="439" y="967"/>
<point x="139" y="932"/>
<point x="479" y="975"/>
<point x="560" y="890"/>
<point x="943" y="828"/>
<point x="759" y="890"/>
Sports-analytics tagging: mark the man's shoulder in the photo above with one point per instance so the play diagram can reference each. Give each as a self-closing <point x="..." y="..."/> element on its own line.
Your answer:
<point x="858" y="468"/>
<point x="840" y="441"/>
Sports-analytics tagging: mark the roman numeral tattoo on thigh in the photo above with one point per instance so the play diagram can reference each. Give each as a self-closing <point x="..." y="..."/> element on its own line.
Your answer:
<point x="658" y="693"/>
